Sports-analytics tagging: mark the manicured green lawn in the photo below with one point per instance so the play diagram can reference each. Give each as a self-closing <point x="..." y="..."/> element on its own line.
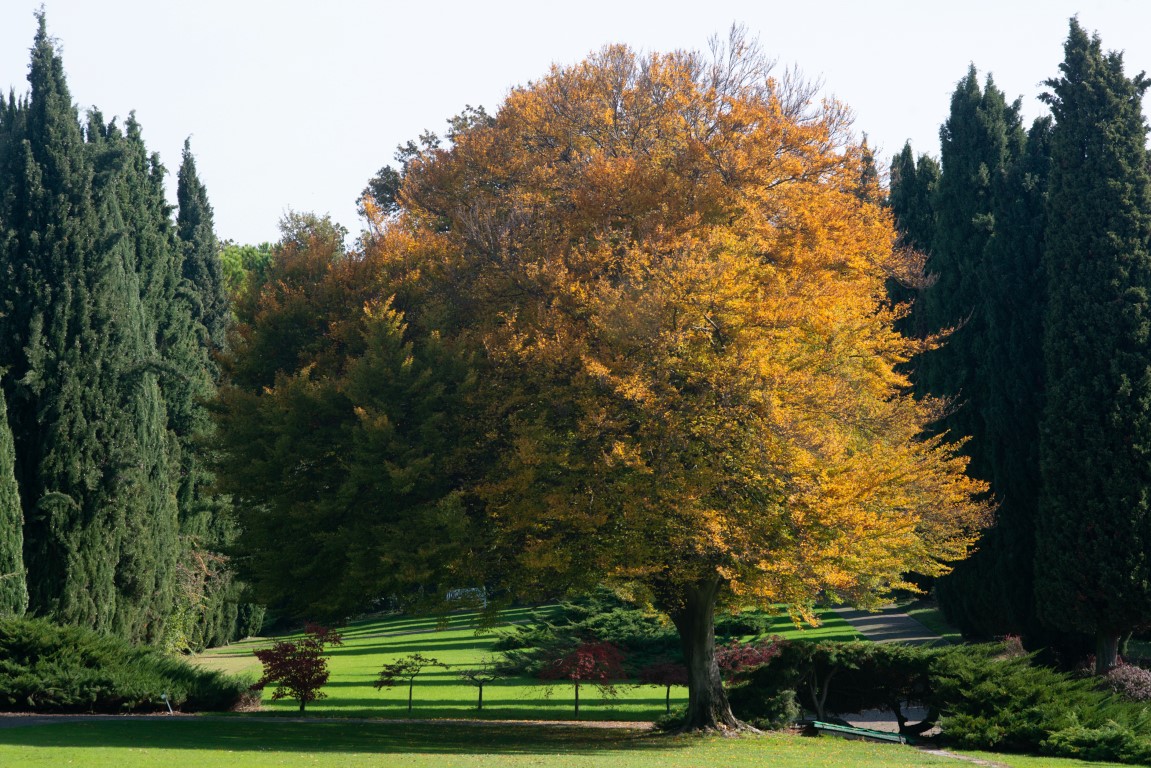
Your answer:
<point x="251" y="743"/>
<point x="439" y="693"/>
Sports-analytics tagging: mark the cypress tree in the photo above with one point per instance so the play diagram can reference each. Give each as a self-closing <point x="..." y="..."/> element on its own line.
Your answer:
<point x="913" y="184"/>
<point x="974" y="147"/>
<point x="13" y="589"/>
<point x="983" y="227"/>
<point x="1012" y="370"/>
<point x="58" y="385"/>
<point x="138" y="238"/>
<point x="1092" y="571"/>
<point x="201" y="263"/>
<point x="103" y="359"/>
<point x="208" y="610"/>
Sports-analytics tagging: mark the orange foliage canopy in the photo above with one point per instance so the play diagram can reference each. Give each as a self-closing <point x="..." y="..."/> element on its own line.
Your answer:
<point x="676" y="285"/>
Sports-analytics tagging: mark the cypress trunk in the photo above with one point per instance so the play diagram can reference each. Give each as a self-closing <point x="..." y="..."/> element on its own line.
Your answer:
<point x="1106" y="651"/>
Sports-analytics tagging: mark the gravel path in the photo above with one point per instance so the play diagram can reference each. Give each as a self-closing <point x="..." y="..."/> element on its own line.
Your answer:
<point x="889" y="625"/>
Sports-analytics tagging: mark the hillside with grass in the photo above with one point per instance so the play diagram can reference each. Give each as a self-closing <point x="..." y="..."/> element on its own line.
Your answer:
<point x="464" y="641"/>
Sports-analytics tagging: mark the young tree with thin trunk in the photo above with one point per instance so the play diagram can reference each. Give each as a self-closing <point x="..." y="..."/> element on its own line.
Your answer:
<point x="298" y="668"/>
<point x="595" y="664"/>
<point x="406" y="670"/>
<point x="478" y="677"/>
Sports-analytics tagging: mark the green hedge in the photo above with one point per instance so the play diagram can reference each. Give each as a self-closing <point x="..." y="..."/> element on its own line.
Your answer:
<point x="49" y="668"/>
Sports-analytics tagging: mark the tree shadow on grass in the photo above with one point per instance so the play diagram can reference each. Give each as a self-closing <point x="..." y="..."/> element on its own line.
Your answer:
<point x="296" y="735"/>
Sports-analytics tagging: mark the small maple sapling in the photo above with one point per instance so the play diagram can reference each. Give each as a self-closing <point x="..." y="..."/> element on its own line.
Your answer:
<point x="478" y="676"/>
<point x="737" y="657"/>
<point x="667" y="674"/>
<point x="405" y="670"/>
<point x="298" y="668"/>
<point x="595" y="663"/>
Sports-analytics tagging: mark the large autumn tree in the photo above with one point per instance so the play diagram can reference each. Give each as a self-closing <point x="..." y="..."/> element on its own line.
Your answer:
<point x="689" y="374"/>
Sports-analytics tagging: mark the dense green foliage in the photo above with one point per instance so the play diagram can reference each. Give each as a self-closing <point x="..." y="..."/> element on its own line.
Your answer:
<point x="340" y="437"/>
<point x="985" y="697"/>
<point x="1037" y="245"/>
<point x="201" y="261"/>
<point x="105" y="354"/>
<point x="1095" y="530"/>
<point x="602" y="616"/>
<point x="980" y="220"/>
<point x="13" y="590"/>
<point x="49" y="668"/>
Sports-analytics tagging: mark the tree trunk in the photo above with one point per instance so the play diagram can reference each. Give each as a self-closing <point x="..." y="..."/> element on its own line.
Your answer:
<point x="410" y="696"/>
<point x="707" y="707"/>
<point x="577" y="700"/>
<point x="1106" y="651"/>
<point x="481" y="706"/>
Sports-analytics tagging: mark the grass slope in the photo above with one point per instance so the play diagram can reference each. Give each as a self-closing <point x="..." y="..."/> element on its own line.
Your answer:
<point x="439" y="693"/>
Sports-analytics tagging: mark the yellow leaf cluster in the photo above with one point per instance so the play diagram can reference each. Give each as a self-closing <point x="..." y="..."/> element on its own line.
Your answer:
<point x="692" y="364"/>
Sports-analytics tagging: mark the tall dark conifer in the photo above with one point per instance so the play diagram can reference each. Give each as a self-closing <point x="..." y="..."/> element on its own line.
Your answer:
<point x="1092" y="570"/>
<point x="1012" y="372"/>
<point x="201" y="263"/>
<point x="974" y="147"/>
<point x="913" y="184"/>
<point x="107" y="366"/>
<point x="982" y="226"/>
<point x="13" y="589"/>
<point x="56" y="299"/>
<point x="911" y="198"/>
<point x="208" y="610"/>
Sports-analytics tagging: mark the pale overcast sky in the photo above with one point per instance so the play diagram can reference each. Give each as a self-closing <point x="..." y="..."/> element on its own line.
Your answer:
<point x="294" y="105"/>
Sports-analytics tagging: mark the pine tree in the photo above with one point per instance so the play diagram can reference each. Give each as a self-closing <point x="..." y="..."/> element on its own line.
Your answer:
<point x="13" y="589"/>
<point x="1092" y="572"/>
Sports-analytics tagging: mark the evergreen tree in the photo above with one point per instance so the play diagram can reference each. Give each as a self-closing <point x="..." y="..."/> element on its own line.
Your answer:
<point x="982" y="221"/>
<point x="1012" y="371"/>
<point x="208" y="606"/>
<point x="913" y="184"/>
<point x="108" y="366"/>
<point x="133" y="246"/>
<point x="1092" y="572"/>
<point x="201" y="263"/>
<point x="57" y="289"/>
<point x="976" y="143"/>
<point x="13" y="590"/>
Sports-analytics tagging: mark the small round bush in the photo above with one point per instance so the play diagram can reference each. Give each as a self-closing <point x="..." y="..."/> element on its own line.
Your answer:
<point x="1130" y="682"/>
